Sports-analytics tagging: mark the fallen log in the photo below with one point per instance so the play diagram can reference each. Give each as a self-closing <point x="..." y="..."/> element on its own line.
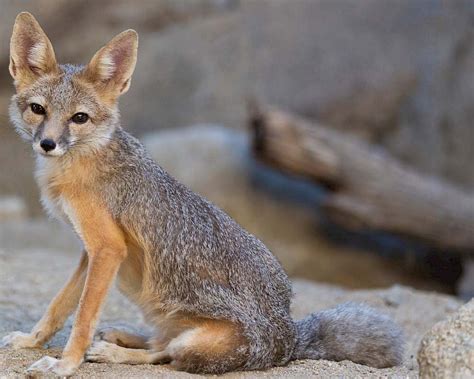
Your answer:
<point x="367" y="188"/>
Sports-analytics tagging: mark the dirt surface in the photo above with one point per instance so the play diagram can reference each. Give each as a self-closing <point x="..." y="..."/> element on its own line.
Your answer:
<point x="30" y="276"/>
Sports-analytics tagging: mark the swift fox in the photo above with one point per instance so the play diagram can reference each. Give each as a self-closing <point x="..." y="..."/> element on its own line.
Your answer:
<point x="216" y="297"/>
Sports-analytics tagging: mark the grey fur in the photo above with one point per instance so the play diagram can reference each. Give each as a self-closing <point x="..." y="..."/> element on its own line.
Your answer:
<point x="184" y="234"/>
<point x="198" y="261"/>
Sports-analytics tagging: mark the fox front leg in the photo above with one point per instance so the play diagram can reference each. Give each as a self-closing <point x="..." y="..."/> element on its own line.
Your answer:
<point x="100" y="274"/>
<point x="106" y="248"/>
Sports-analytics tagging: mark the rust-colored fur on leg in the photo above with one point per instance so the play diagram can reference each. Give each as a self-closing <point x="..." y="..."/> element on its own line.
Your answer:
<point x="105" y="352"/>
<point x="123" y="337"/>
<point x="106" y="248"/>
<point x="202" y="346"/>
<point x="212" y="346"/>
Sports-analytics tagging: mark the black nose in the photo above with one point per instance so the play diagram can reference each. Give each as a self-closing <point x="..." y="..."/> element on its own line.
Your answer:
<point x="47" y="144"/>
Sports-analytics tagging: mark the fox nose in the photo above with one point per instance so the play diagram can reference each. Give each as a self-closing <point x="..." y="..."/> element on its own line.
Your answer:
<point x="47" y="144"/>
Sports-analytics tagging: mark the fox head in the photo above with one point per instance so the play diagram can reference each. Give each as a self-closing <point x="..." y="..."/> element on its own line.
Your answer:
<point x="66" y="109"/>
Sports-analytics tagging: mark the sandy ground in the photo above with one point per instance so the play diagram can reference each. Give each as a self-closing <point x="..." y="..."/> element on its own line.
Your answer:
<point x="30" y="275"/>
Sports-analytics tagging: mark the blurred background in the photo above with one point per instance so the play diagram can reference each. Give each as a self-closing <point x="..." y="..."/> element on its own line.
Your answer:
<point x="394" y="75"/>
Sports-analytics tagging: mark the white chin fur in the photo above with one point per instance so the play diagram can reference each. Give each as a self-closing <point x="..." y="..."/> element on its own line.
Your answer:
<point x="57" y="152"/>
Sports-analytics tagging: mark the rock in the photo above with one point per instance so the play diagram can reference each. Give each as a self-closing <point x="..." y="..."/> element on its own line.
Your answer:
<point x="12" y="208"/>
<point x="397" y="73"/>
<point x="447" y="350"/>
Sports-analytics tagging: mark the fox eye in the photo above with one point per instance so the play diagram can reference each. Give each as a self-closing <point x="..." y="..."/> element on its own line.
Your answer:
<point x="37" y="109"/>
<point x="80" y="118"/>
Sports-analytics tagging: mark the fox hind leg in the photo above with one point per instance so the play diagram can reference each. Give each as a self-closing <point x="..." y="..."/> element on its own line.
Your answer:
<point x="123" y="336"/>
<point x="212" y="347"/>
<point x="208" y="346"/>
<point x="106" y="352"/>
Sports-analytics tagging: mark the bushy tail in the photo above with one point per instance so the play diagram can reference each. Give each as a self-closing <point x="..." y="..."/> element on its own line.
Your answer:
<point x="350" y="331"/>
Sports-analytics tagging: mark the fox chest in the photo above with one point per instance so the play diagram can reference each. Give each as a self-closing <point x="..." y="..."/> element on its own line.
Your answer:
<point x="58" y="206"/>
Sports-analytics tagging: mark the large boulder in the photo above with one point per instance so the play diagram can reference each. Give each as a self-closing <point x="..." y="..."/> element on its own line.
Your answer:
<point x="447" y="350"/>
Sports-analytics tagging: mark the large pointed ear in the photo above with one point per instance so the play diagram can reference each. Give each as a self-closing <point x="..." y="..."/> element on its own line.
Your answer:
<point x="111" y="68"/>
<point x="31" y="52"/>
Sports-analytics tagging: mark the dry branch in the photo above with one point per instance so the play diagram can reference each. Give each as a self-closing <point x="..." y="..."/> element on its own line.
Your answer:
<point x="367" y="187"/>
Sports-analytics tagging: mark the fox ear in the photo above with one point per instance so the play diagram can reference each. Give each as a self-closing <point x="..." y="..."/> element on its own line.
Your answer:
<point x="111" y="68"/>
<point x="31" y="52"/>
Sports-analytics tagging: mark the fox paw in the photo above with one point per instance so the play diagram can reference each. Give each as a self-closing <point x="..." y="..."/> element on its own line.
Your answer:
<point x="19" y="340"/>
<point x="109" y="334"/>
<point x="47" y="364"/>
<point x="103" y="352"/>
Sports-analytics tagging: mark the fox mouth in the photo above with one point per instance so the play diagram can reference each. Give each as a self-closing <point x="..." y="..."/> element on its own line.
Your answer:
<point x="57" y="152"/>
<point x="47" y="155"/>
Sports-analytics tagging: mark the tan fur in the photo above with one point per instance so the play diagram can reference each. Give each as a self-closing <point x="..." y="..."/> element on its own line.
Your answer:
<point x="185" y="342"/>
<point x="63" y="304"/>
<point x="106" y="352"/>
<point x="104" y="241"/>
<point x="106" y="249"/>
<point x="213" y="338"/>
<point x="206" y="340"/>
<point x="123" y="337"/>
